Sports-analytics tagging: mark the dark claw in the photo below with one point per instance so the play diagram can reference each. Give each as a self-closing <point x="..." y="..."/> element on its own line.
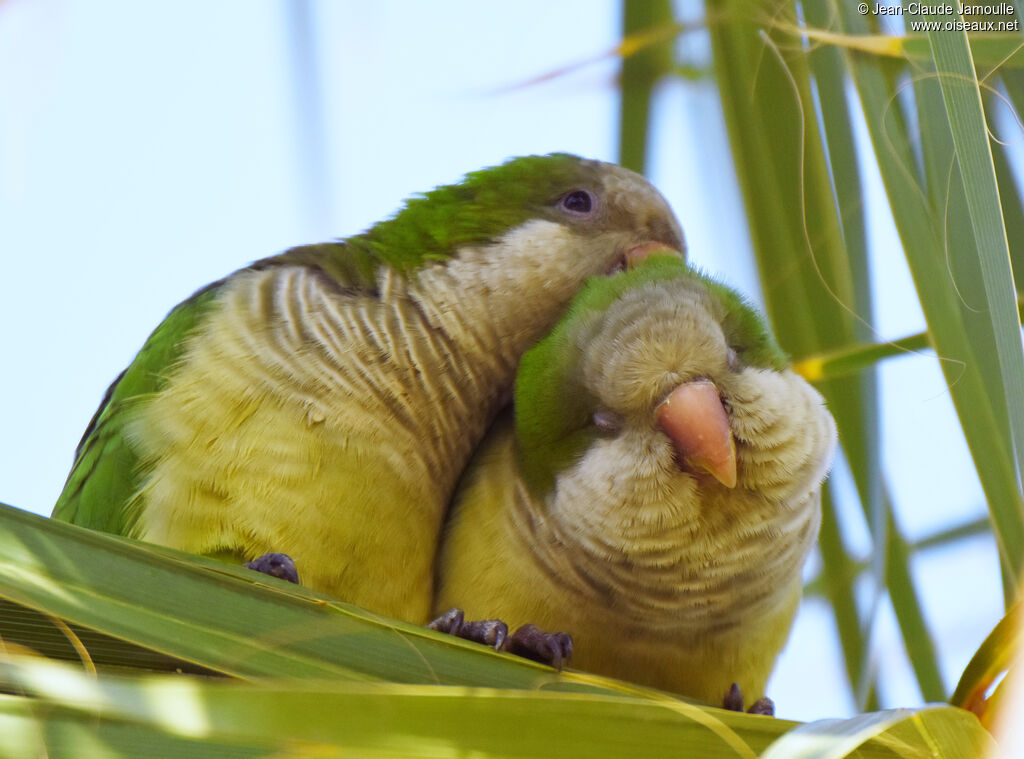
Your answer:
<point x="278" y="565"/>
<point x="733" y="701"/>
<point x="490" y="632"/>
<point x="530" y="642"/>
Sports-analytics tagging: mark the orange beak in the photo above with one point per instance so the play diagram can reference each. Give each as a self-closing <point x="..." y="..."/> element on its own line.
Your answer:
<point x="645" y="250"/>
<point x="696" y="422"/>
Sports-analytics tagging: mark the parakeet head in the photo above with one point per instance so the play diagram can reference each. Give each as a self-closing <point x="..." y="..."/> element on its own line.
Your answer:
<point x="661" y="402"/>
<point x="586" y="198"/>
<point x="502" y="252"/>
<point x="517" y="239"/>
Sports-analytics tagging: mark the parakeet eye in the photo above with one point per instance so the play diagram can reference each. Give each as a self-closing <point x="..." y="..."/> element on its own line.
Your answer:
<point x="578" y="202"/>
<point x="607" y="422"/>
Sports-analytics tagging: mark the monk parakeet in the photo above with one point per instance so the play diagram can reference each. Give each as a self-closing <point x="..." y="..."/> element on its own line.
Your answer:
<point x="655" y="494"/>
<point x="323" y="402"/>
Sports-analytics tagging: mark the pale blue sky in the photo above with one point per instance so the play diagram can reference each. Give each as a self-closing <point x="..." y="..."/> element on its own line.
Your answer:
<point x="149" y="148"/>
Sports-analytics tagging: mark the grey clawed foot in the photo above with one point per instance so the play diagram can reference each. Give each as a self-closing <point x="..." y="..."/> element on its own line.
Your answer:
<point x="530" y="642"/>
<point x="490" y="632"/>
<point x="278" y="565"/>
<point x="733" y="701"/>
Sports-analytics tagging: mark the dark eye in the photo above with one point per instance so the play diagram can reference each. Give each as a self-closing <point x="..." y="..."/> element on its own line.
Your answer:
<point x="578" y="202"/>
<point x="607" y="422"/>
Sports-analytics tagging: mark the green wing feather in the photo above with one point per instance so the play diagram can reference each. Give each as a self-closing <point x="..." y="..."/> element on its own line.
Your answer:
<point x="106" y="470"/>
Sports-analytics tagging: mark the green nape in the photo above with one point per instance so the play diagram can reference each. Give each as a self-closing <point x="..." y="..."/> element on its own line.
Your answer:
<point x="553" y="411"/>
<point x="105" y="474"/>
<point x="432" y="226"/>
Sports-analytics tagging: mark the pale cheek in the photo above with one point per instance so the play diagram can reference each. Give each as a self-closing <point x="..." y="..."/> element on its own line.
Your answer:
<point x="546" y="257"/>
<point x="622" y="483"/>
<point x="785" y="436"/>
<point x="521" y="283"/>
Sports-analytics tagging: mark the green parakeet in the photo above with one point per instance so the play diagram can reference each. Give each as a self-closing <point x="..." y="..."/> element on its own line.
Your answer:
<point x="656" y="493"/>
<point x="323" y="402"/>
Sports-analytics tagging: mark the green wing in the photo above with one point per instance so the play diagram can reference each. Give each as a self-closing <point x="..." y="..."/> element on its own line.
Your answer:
<point x="106" y="470"/>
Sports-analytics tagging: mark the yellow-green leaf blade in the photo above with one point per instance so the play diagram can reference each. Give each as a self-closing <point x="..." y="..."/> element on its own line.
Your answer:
<point x="955" y="67"/>
<point x="921" y="232"/>
<point x="228" y="619"/>
<point x="944" y="732"/>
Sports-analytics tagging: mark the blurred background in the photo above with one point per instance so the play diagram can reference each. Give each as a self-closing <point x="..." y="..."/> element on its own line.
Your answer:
<point x="149" y="148"/>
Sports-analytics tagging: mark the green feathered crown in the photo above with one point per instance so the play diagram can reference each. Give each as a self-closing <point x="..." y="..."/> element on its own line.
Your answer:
<point x="432" y="226"/>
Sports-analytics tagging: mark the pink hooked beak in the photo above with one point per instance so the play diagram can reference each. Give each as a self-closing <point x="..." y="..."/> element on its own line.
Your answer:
<point x="696" y="422"/>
